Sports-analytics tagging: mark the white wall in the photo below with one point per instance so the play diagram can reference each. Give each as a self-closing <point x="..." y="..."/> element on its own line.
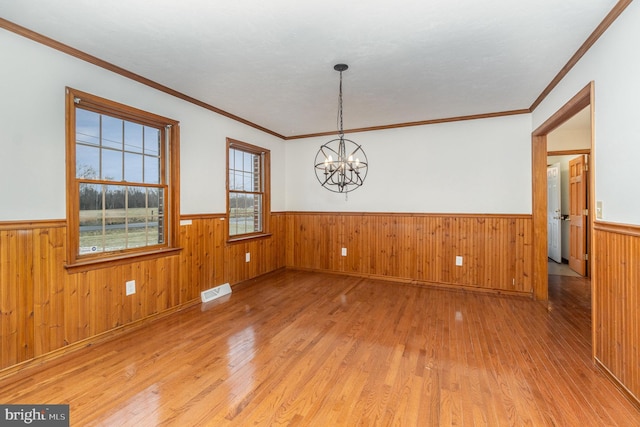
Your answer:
<point x="475" y="166"/>
<point x="33" y="78"/>
<point x="613" y="64"/>
<point x="478" y="166"/>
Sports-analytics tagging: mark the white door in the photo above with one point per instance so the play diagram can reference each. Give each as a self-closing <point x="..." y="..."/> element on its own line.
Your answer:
<point x="554" y="234"/>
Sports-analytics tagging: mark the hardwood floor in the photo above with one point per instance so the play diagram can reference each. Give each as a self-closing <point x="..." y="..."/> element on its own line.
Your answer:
<point x="301" y="348"/>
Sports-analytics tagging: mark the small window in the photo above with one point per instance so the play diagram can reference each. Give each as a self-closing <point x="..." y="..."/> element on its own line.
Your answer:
<point x="247" y="190"/>
<point x="121" y="165"/>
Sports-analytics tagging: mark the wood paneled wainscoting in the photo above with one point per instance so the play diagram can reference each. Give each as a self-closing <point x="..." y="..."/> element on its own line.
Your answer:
<point x="616" y="305"/>
<point x="419" y="248"/>
<point x="46" y="310"/>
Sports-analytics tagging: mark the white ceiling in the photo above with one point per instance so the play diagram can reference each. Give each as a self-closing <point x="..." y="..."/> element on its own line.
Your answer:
<point x="271" y="62"/>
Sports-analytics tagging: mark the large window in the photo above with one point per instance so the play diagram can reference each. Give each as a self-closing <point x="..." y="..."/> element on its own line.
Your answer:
<point x="121" y="168"/>
<point x="247" y="190"/>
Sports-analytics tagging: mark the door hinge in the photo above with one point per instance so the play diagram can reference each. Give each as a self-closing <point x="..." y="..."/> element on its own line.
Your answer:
<point x="586" y="257"/>
<point x="585" y="212"/>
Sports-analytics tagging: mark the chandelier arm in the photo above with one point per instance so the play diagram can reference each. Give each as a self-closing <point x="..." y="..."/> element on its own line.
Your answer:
<point x="330" y="176"/>
<point x="358" y="148"/>
<point x="331" y="150"/>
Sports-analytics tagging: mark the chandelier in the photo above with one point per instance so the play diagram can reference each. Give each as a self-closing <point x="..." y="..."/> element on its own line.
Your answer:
<point x="341" y="164"/>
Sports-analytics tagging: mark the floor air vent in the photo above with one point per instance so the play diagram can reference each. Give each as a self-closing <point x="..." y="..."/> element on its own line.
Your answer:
<point x="217" y="292"/>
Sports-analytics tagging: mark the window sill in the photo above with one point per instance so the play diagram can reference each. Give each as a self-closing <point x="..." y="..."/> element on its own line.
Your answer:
<point x="239" y="239"/>
<point x="97" y="263"/>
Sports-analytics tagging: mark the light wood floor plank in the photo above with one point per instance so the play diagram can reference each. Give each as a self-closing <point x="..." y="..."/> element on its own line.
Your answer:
<point x="302" y="348"/>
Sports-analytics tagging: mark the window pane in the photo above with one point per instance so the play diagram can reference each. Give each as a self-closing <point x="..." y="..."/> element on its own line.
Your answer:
<point x="90" y="199"/>
<point x="247" y="181"/>
<point x="245" y="213"/>
<point x="114" y="200"/>
<point x="133" y="137"/>
<point x="247" y="164"/>
<point x="111" y="165"/>
<point x="87" y="162"/>
<point x="151" y="141"/>
<point x="142" y="219"/>
<point x="234" y="210"/>
<point x="153" y="201"/>
<point x="87" y="127"/>
<point x="115" y="217"/>
<point x="132" y="167"/>
<point x="136" y="201"/>
<point x="233" y="203"/>
<point x="151" y="170"/>
<point x="237" y="162"/>
<point x="155" y="206"/>
<point x="112" y="132"/>
<point x="91" y="218"/>
<point x="238" y="182"/>
<point x="115" y="234"/>
<point x="241" y="215"/>
<point x="91" y="240"/>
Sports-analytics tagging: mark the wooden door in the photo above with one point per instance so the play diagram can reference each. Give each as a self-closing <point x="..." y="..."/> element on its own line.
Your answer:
<point x="578" y="215"/>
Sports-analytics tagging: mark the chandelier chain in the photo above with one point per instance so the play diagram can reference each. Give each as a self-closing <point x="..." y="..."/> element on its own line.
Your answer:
<point x="340" y="126"/>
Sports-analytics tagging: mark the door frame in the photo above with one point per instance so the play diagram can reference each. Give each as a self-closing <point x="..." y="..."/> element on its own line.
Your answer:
<point x="582" y="99"/>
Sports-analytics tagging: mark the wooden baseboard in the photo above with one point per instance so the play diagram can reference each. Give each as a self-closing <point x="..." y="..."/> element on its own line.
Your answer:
<point x="625" y="391"/>
<point x="447" y="286"/>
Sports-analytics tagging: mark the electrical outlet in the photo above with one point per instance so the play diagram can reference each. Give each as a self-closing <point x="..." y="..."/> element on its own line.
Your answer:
<point x="247" y="257"/>
<point x="344" y="251"/>
<point x="131" y="287"/>
<point x="458" y="260"/>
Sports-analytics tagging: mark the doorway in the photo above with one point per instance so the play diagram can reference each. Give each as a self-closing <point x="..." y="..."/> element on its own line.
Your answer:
<point x="539" y="151"/>
<point x="568" y="161"/>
